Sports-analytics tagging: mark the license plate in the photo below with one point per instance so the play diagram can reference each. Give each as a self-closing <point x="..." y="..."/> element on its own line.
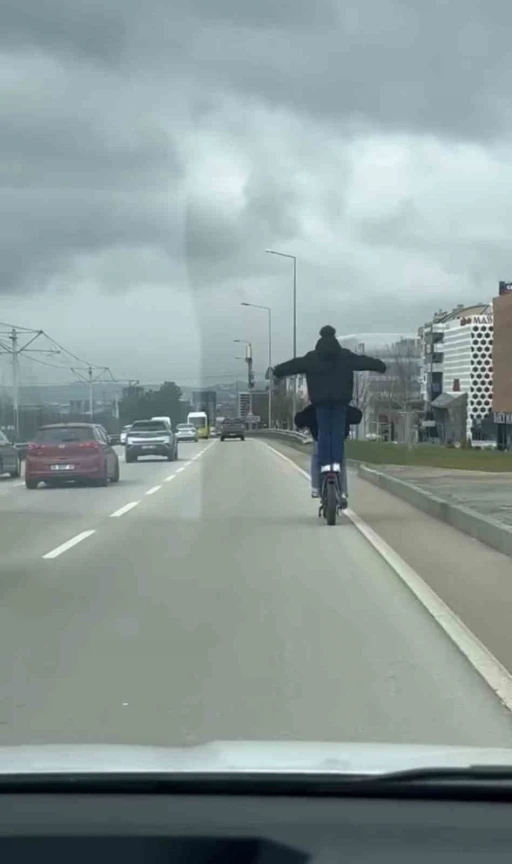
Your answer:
<point x="62" y="467"/>
<point x="147" y="447"/>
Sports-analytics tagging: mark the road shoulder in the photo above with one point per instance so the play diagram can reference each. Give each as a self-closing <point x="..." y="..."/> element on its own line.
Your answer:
<point x="474" y="580"/>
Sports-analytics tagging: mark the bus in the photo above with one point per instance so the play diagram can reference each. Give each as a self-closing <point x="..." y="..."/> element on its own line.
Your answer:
<point x="199" y="419"/>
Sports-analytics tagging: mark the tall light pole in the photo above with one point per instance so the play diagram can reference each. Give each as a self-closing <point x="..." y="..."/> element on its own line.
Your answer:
<point x="15" y="350"/>
<point x="270" y="383"/>
<point x="248" y="360"/>
<point x="294" y="259"/>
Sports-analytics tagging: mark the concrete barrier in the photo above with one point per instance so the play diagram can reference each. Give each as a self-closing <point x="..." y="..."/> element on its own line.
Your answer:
<point x="482" y="528"/>
<point x="284" y="435"/>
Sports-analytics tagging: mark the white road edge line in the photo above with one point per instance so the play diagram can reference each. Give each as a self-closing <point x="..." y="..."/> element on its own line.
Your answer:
<point x="69" y="544"/>
<point x="125" y="509"/>
<point x="483" y="661"/>
<point x="153" y="490"/>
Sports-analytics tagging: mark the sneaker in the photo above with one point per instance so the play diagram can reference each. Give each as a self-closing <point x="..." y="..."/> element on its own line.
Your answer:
<point x="343" y="502"/>
<point x="315" y="493"/>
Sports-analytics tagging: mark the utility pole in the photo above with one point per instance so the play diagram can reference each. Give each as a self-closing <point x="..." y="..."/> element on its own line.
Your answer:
<point x="91" y="395"/>
<point x="15" y="382"/>
<point x="250" y="375"/>
<point x="294" y="316"/>
<point x="88" y="377"/>
<point x="270" y="383"/>
<point x="14" y="349"/>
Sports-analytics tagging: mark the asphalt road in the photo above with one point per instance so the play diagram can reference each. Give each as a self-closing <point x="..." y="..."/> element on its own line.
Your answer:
<point x="216" y="607"/>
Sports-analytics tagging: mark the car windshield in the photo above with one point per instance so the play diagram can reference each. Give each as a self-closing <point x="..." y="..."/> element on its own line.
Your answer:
<point x="150" y="426"/>
<point x="259" y="253"/>
<point x="65" y="434"/>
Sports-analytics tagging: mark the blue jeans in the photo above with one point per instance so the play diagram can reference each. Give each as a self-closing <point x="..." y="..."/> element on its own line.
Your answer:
<point x="316" y="480"/>
<point x="331" y="419"/>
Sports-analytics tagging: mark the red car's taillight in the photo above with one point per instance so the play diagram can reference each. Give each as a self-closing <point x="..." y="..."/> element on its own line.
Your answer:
<point x="90" y="445"/>
<point x="35" y="449"/>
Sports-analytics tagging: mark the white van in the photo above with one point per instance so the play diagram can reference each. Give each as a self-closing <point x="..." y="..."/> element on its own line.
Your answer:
<point x="165" y="419"/>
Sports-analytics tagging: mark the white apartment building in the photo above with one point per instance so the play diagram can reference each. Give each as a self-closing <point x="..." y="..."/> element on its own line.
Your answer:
<point x="458" y="370"/>
<point x="468" y="364"/>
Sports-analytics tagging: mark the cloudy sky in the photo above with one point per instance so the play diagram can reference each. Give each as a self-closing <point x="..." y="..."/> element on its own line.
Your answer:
<point x="151" y="151"/>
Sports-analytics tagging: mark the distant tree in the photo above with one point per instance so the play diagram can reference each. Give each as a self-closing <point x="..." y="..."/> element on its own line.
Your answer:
<point x="282" y="405"/>
<point x="139" y="404"/>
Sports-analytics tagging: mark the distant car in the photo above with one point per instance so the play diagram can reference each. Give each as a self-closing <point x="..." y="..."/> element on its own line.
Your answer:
<point x="151" y="438"/>
<point x="115" y="438"/>
<point x="484" y="445"/>
<point x="232" y="429"/>
<point x="186" y="432"/>
<point x="124" y="433"/>
<point x="10" y="459"/>
<point x="213" y="432"/>
<point x="71" y="451"/>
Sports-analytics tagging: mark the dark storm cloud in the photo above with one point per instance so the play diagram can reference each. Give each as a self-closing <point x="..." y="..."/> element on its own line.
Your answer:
<point x="97" y="98"/>
<point x="408" y="64"/>
<point x="94" y="29"/>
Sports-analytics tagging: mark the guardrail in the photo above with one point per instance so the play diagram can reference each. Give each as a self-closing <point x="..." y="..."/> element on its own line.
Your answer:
<point x="282" y="434"/>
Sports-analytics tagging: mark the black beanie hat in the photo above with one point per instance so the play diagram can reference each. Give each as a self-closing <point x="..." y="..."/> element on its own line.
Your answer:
<point x="328" y="344"/>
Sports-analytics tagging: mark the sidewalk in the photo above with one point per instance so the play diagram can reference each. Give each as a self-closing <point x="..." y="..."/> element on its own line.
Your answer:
<point x="489" y="494"/>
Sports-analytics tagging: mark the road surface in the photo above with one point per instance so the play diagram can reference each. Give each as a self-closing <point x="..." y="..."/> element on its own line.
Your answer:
<point x="202" y="600"/>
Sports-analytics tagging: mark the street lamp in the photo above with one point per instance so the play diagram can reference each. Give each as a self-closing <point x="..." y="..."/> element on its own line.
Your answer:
<point x="269" y="310"/>
<point x="248" y="360"/>
<point x="294" y="259"/>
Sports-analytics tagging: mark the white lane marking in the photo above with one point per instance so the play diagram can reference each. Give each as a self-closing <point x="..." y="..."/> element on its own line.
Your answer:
<point x="170" y="477"/>
<point x="181" y="469"/>
<point x="202" y="452"/>
<point x="68" y="544"/>
<point x="18" y="484"/>
<point x="483" y="661"/>
<point x="125" y="509"/>
<point x="153" y="490"/>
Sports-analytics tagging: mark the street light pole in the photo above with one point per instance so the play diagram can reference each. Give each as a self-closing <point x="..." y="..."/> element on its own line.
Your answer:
<point x="248" y="360"/>
<point x="294" y="259"/>
<point x="270" y="382"/>
<point x="14" y="350"/>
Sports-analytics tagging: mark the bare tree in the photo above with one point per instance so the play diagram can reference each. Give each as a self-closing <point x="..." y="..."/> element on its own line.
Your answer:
<point x="404" y="373"/>
<point x="397" y="394"/>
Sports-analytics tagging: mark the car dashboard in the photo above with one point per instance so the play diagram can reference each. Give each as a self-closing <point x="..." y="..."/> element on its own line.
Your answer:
<point x="151" y="824"/>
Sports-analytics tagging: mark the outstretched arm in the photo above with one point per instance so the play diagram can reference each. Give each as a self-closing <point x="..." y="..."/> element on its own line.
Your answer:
<point x="362" y="363"/>
<point x="296" y="366"/>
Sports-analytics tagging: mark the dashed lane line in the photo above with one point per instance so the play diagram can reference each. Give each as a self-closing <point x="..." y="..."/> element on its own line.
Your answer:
<point x="69" y="544"/>
<point x="481" y="659"/>
<point x="153" y="490"/>
<point x="125" y="509"/>
<point x="78" y="538"/>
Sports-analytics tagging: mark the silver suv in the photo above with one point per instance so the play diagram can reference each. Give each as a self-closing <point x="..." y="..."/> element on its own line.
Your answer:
<point x="151" y="438"/>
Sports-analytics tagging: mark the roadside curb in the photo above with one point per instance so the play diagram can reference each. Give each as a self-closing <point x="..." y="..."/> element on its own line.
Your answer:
<point x="481" y="528"/>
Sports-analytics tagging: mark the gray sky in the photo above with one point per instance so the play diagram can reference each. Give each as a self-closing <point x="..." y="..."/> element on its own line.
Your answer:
<point x="150" y="152"/>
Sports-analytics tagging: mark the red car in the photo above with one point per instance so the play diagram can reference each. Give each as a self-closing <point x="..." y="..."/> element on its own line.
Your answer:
<point x="71" y="451"/>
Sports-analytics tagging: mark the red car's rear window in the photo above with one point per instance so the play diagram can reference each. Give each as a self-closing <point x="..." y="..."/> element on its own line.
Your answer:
<point x="65" y="434"/>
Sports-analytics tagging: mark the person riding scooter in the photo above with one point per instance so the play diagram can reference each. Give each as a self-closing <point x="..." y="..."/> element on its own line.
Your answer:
<point x="306" y="419"/>
<point x="329" y="371"/>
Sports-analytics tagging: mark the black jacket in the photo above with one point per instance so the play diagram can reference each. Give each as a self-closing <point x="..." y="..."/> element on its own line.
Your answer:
<point x="306" y="419"/>
<point x="329" y="375"/>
